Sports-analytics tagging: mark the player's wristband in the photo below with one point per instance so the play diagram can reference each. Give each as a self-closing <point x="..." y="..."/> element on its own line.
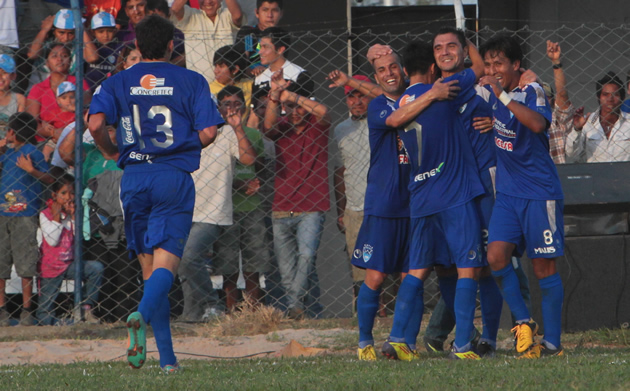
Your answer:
<point x="505" y="98"/>
<point x="557" y="66"/>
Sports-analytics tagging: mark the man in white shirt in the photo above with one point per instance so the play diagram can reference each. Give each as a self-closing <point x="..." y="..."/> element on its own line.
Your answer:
<point x="208" y="28"/>
<point x="212" y="213"/>
<point x="603" y="136"/>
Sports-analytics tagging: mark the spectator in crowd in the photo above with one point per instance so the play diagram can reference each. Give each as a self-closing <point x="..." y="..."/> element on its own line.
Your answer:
<point x="603" y="136"/>
<point x="59" y="28"/>
<point x="274" y="47"/>
<point x="563" y="110"/>
<point x="229" y="66"/>
<point x="10" y="102"/>
<point x="23" y="167"/>
<point x="268" y="14"/>
<point x="56" y="239"/>
<point x="247" y="235"/>
<point x="100" y="54"/>
<point x="93" y="7"/>
<point x="208" y="28"/>
<point x="41" y="102"/>
<point x="212" y="214"/>
<point x="625" y="107"/>
<point x="160" y="7"/>
<point x="301" y="185"/>
<point x="127" y="57"/>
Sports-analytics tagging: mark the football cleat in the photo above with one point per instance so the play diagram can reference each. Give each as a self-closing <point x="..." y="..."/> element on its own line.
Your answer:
<point x="433" y="345"/>
<point x="467" y="355"/>
<point x="524" y="334"/>
<point x="397" y="351"/>
<point x="171" y="369"/>
<point x="540" y="350"/>
<point x="137" y="338"/>
<point x="367" y="353"/>
<point x="486" y="350"/>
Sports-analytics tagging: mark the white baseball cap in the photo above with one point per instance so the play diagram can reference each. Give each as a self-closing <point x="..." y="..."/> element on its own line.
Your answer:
<point x="64" y="20"/>
<point x="66" y="86"/>
<point x="103" y="19"/>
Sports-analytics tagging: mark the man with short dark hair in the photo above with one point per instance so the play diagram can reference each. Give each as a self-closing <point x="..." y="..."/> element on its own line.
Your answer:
<point x="164" y="116"/>
<point x="528" y="208"/>
<point x="603" y="136"/>
<point x="268" y="14"/>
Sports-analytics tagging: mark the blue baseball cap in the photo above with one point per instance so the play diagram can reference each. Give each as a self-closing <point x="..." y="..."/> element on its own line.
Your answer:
<point x="66" y="86"/>
<point x="64" y="20"/>
<point x="103" y="19"/>
<point x="7" y="63"/>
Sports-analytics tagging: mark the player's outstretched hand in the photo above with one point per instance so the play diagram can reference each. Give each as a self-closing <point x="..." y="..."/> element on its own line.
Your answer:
<point x="493" y="83"/>
<point x="483" y="124"/>
<point x="579" y="119"/>
<point x="378" y="51"/>
<point x="444" y="91"/>
<point x="337" y="78"/>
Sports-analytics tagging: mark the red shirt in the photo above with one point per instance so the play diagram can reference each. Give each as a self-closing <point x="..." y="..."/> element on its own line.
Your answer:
<point x="301" y="183"/>
<point x="49" y="110"/>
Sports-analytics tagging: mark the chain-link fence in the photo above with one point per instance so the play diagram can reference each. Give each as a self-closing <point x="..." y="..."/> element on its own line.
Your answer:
<point x="247" y="247"/>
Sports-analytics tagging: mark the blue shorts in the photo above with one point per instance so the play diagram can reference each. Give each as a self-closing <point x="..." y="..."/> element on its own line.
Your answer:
<point x="485" y="204"/>
<point x="383" y="245"/>
<point x="451" y="237"/>
<point x="535" y="225"/>
<point x="158" y="202"/>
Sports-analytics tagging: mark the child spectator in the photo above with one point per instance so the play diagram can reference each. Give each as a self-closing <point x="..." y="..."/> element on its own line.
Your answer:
<point x="66" y="100"/>
<point x="10" y="102"/>
<point x="56" y="241"/>
<point x="23" y="167"/>
<point x="100" y="54"/>
<point x="229" y="66"/>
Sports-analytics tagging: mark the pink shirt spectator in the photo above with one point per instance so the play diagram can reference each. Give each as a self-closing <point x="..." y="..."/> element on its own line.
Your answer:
<point x="57" y="244"/>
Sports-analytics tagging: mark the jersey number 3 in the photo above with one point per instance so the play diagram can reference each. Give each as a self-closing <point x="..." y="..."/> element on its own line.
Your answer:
<point x="164" y="128"/>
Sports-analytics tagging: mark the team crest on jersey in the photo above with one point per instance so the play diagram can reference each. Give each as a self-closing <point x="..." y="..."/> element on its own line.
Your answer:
<point x="151" y="85"/>
<point x="367" y="252"/>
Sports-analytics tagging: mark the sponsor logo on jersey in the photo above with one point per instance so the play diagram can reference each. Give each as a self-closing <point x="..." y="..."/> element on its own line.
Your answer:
<point x="544" y="250"/>
<point x="383" y="114"/>
<point x="428" y="174"/>
<point x="367" y="252"/>
<point x="139" y="156"/>
<point x="406" y="99"/>
<point x="151" y="85"/>
<point x="125" y="122"/>
<point x="503" y="130"/>
<point x="357" y="253"/>
<point x="504" y="145"/>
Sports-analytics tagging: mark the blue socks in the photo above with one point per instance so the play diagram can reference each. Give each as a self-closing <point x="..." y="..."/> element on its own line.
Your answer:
<point x="465" y="299"/>
<point x="552" y="298"/>
<point x="405" y="304"/>
<point x="491" y="306"/>
<point x="448" y="287"/>
<point x="415" y="320"/>
<point x="155" y="310"/>
<point x="367" y="306"/>
<point x="511" y="290"/>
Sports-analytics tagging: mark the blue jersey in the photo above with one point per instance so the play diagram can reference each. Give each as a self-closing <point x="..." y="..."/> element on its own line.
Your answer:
<point x="482" y="143"/>
<point x="158" y="109"/>
<point x="387" y="193"/>
<point x="21" y="191"/>
<point x="445" y="172"/>
<point x="524" y="167"/>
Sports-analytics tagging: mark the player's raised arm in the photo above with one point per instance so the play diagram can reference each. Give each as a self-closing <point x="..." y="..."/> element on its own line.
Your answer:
<point x="475" y="57"/>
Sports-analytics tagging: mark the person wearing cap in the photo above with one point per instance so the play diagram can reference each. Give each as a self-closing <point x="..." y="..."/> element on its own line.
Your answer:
<point x="10" y="102"/>
<point x="210" y="27"/>
<point x="101" y="54"/>
<point x="301" y="196"/>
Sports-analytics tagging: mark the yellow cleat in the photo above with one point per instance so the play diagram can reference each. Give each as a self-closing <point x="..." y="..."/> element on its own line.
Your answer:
<point x="540" y="350"/>
<point x="468" y="355"/>
<point x="397" y="351"/>
<point x="415" y="355"/>
<point x="367" y="353"/>
<point x="524" y="334"/>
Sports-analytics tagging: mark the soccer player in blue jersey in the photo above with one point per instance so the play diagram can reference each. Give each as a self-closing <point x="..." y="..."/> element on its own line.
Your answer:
<point x="383" y="239"/>
<point x="164" y="116"/>
<point x="445" y="226"/>
<point x="528" y="208"/>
